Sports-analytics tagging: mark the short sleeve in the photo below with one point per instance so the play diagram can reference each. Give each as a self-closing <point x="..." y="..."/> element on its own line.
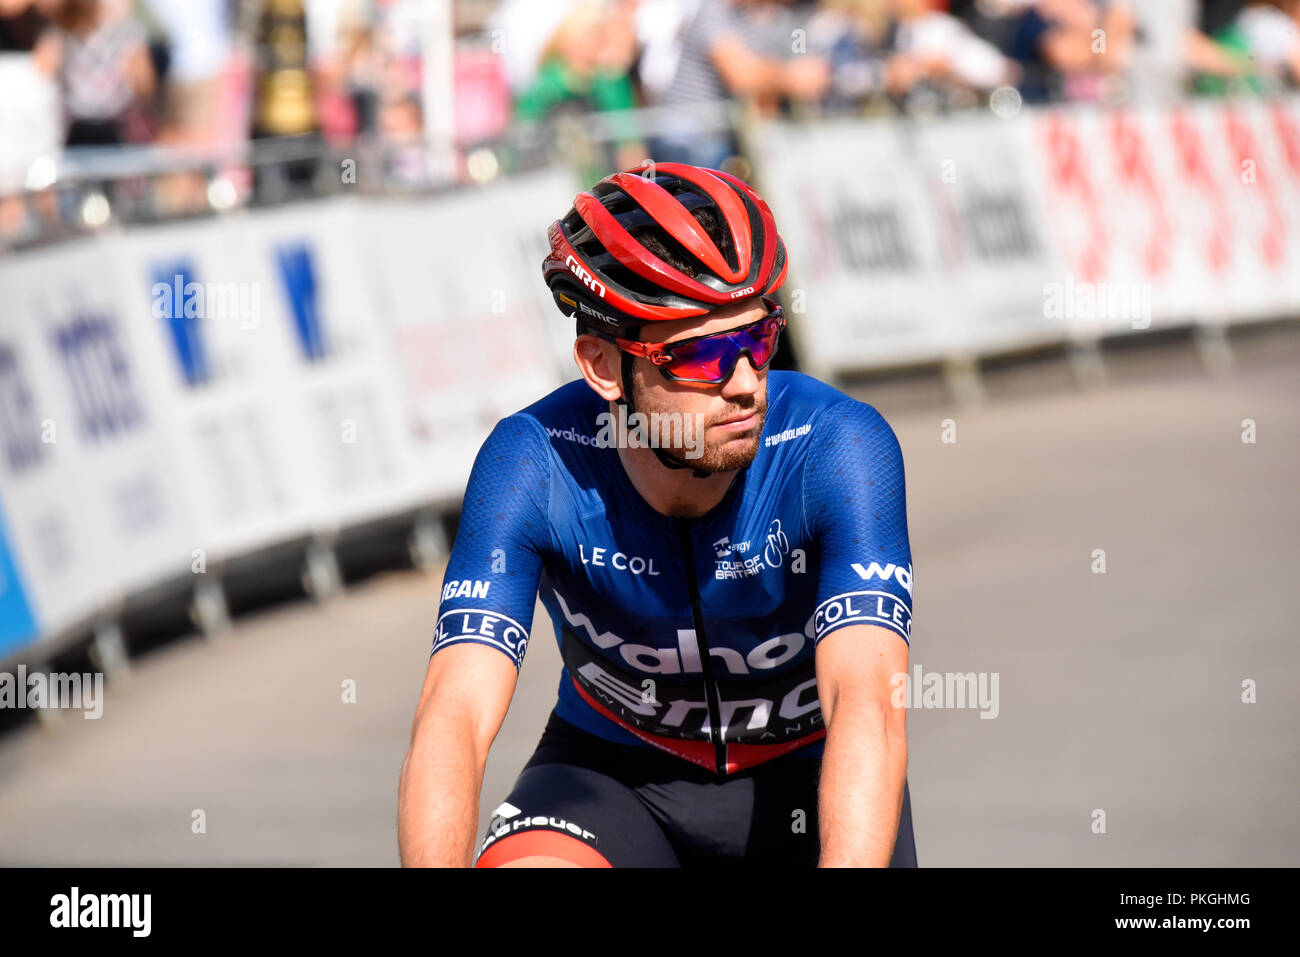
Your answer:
<point x="490" y="588"/>
<point x="855" y="509"/>
<point x="714" y="20"/>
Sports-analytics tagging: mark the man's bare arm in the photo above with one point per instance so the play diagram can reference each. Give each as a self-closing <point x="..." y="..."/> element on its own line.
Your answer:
<point x="865" y="761"/>
<point x="1204" y="55"/>
<point x="467" y="691"/>
<point x="750" y="75"/>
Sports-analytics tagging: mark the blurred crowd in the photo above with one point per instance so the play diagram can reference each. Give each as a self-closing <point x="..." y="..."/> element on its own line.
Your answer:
<point x="854" y="56"/>
<point x="408" y="76"/>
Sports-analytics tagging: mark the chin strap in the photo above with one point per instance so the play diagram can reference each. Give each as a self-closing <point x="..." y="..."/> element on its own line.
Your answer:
<point x="625" y="399"/>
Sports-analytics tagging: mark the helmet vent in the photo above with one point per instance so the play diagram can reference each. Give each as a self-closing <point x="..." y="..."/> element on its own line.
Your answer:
<point x="632" y="282"/>
<point x="590" y="249"/>
<point x="613" y="199"/>
<point x="658" y="241"/>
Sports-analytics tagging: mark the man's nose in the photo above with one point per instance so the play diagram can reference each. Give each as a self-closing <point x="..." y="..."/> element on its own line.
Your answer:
<point x="743" y="379"/>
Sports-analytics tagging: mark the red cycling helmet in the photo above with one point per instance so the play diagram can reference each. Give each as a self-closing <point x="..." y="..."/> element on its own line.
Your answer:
<point x="600" y="272"/>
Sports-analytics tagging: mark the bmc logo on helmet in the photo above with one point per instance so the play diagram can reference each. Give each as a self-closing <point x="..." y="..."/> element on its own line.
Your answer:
<point x="595" y="313"/>
<point x="587" y="278"/>
<point x="742" y="292"/>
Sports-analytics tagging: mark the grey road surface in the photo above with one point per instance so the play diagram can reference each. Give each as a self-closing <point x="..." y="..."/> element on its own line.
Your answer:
<point x="1119" y="695"/>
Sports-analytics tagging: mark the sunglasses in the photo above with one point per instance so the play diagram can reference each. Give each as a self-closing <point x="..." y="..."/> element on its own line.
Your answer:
<point x="713" y="358"/>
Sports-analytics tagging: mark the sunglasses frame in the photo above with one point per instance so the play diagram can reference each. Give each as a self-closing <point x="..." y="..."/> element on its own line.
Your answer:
<point x="661" y="353"/>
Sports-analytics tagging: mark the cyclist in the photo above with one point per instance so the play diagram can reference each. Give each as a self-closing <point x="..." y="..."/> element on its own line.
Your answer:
<point x="731" y="601"/>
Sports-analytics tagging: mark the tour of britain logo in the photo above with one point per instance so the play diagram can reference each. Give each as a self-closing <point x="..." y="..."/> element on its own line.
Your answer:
<point x="733" y="560"/>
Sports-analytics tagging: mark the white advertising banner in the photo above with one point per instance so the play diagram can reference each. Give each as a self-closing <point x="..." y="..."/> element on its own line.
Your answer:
<point x="1000" y="272"/>
<point x="523" y="209"/>
<point x="470" y="332"/>
<point x="89" y="491"/>
<point x="865" y="284"/>
<point x="334" y="368"/>
<point x="217" y="366"/>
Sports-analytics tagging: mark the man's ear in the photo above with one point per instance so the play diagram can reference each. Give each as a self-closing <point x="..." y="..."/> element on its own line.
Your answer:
<point x="598" y="361"/>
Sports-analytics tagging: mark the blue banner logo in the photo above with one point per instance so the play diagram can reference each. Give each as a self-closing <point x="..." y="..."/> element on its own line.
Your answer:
<point x="298" y="273"/>
<point x="180" y="309"/>
<point x="17" y="623"/>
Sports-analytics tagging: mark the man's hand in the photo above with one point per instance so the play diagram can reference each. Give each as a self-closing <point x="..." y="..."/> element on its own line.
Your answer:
<point x="865" y="761"/>
<point x="807" y="78"/>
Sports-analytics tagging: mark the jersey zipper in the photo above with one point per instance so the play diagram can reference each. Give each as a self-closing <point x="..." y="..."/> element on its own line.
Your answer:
<point x="702" y="643"/>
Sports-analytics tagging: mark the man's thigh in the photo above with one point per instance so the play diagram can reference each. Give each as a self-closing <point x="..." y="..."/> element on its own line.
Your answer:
<point x="575" y="815"/>
<point x="767" y="815"/>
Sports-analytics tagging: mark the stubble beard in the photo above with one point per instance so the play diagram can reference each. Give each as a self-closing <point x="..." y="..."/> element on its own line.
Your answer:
<point x="736" y="451"/>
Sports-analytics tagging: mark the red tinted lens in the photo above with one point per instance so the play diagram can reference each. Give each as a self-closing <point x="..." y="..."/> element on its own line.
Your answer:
<point x="712" y="359"/>
<point x="761" y="340"/>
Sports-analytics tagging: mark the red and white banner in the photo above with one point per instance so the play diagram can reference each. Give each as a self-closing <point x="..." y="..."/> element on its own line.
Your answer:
<point x="977" y="234"/>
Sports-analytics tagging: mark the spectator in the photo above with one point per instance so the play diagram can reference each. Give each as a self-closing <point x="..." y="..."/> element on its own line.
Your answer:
<point x="587" y="63"/>
<point x="1242" y="43"/>
<point x="1214" y="53"/>
<point x="401" y="124"/>
<point x="199" y="57"/>
<point x="742" y="49"/>
<point x="198" y="32"/>
<point x="30" y="126"/>
<point x="520" y="30"/>
<point x="1271" y="30"/>
<point x="590" y="55"/>
<point x="661" y="33"/>
<point x="1066" y="46"/>
<point x="104" y="70"/>
<point x="361" y="69"/>
<point x="935" y="50"/>
<point x="25" y="27"/>
<point x="364" y="57"/>
<point x="854" y="33"/>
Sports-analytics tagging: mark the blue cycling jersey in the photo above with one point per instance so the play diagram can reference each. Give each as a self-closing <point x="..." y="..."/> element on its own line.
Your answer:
<point x="692" y="635"/>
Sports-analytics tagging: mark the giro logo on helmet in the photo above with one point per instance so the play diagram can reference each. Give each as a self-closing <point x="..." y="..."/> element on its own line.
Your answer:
<point x="587" y="278"/>
<point x="748" y="290"/>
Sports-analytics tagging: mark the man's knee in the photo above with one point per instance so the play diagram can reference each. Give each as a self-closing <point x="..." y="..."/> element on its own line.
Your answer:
<point x="541" y="849"/>
<point x="538" y="860"/>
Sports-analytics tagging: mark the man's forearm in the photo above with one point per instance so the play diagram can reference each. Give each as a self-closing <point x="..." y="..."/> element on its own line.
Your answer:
<point x="746" y="74"/>
<point x="861" y="789"/>
<point x="437" y="802"/>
